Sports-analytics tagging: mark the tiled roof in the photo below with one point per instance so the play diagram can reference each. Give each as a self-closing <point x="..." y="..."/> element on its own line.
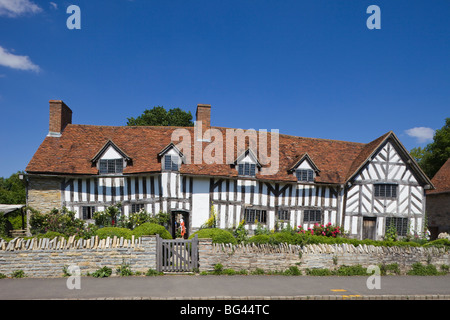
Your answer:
<point x="71" y="153"/>
<point x="441" y="179"/>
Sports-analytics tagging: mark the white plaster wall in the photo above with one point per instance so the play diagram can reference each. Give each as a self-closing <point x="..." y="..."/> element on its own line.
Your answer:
<point x="200" y="202"/>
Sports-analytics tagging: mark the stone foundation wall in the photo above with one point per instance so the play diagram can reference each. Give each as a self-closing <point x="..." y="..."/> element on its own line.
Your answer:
<point x="44" y="193"/>
<point x="280" y="258"/>
<point x="47" y="258"/>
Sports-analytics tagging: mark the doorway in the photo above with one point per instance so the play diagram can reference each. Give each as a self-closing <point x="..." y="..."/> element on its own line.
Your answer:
<point x="369" y="227"/>
<point x="179" y="224"/>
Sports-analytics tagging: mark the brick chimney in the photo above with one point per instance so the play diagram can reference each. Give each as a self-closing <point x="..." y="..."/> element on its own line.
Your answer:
<point x="203" y="118"/>
<point x="60" y="117"/>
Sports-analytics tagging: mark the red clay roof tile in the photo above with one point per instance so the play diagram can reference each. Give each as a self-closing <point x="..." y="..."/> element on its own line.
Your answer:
<point x="441" y="179"/>
<point x="71" y="153"/>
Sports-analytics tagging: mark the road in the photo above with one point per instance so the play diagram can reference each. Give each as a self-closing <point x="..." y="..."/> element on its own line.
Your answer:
<point x="226" y="287"/>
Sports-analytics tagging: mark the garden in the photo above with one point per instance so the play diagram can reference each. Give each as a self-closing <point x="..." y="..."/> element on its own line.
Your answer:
<point x="110" y="223"/>
<point x="318" y="234"/>
<point x="107" y="223"/>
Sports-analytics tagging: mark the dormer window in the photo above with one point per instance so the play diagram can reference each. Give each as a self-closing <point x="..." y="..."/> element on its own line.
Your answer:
<point x="111" y="166"/>
<point x="304" y="169"/>
<point x="171" y="162"/>
<point x="171" y="158"/>
<point x="305" y="175"/>
<point x="110" y="159"/>
<point x="247" y="164"/>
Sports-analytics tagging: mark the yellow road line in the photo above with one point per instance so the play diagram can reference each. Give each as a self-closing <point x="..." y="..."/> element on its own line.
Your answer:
<point x="338" y="290"/>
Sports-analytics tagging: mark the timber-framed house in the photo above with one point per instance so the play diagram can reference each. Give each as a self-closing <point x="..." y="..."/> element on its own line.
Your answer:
<point x="363" y="187"/>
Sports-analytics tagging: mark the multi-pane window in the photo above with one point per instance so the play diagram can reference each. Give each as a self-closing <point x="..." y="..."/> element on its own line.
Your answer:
<point x="252" y="215"/>
<point x="312" y="216"/>
<point x="304" y="175"/>
<point x="136" y="207"/>
<point x="247" y="169"/>
<point x="283" y="215"/>
<point x="400" y="224"/>
<point x="386" y="190"/>
<point x="171" y="162"/>
<point x="111" y="166"/>
<point x="88" y="212"/>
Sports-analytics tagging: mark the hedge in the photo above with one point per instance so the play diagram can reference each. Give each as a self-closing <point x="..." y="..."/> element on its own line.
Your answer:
<point x="217" y="235"/>
<point x="105" y="232"/>
<point x="148" y="228"/>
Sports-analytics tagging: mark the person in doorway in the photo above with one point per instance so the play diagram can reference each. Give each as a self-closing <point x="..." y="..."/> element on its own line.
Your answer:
<point x="183" y="228"/>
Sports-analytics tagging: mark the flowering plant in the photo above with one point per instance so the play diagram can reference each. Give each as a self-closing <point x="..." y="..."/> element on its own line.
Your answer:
<point x="327" y="230"/>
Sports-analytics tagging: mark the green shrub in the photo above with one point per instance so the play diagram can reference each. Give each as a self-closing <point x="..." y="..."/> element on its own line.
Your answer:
<point x="152" y="273"/>
<point x="258" y="271"/>
<point x="217" y="235"/>
<point x="260" y="239"/>
<point x="417" y="269"/>
<point x="229" y="272"/>
<point x="51" y="235"/>
<point x="134" y="220"/>
<point x="102" y="273"/>
<point x="124" y="270"/>
<point x="438" y="243"/>
<point x="18" y="274"/>
<point x="62" y="221"/>
<point x="319" y="272"/>
<point x="218" y="268"/>
<point x="103" y="233"/>
<point x="386" y="268"/>
<point x="148" y="228"/>
<point x="292" y="271"/>
<point x="279" y="237"/>
<point x="109" y="217"/>
<point x="240" y="233"/>
<point x="356" y="270"/>
<point x="2" y="275"/>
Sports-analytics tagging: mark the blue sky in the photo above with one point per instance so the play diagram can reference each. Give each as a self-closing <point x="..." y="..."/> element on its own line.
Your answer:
<point x="308" y="68"/>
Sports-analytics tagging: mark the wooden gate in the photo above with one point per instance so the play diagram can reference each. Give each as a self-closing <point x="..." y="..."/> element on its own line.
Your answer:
<point x="178" y="255"/>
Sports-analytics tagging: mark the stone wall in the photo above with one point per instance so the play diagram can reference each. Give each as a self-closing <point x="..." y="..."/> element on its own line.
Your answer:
<point x="280" y="258"/>
<point x="438" y="213"/>
<point x="48" y="257"/>
<point x="44" y="193"/>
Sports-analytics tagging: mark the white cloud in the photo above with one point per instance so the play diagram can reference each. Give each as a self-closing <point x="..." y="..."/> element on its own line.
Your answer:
<point x="10" y="60"/>
<point x="54" y="5"/>
<point x="14" y="8"/>
<point x="422" y="134"/>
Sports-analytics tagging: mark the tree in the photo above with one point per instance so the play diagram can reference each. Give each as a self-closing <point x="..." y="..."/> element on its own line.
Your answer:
<point x="12" y="190"/>
<point x="158" y="116"/>
<point x="433" y="156"/>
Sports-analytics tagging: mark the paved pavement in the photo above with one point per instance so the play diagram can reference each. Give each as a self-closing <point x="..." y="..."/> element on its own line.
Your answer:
<point x="224" y="297"/>
<point x="196" y="287"/>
